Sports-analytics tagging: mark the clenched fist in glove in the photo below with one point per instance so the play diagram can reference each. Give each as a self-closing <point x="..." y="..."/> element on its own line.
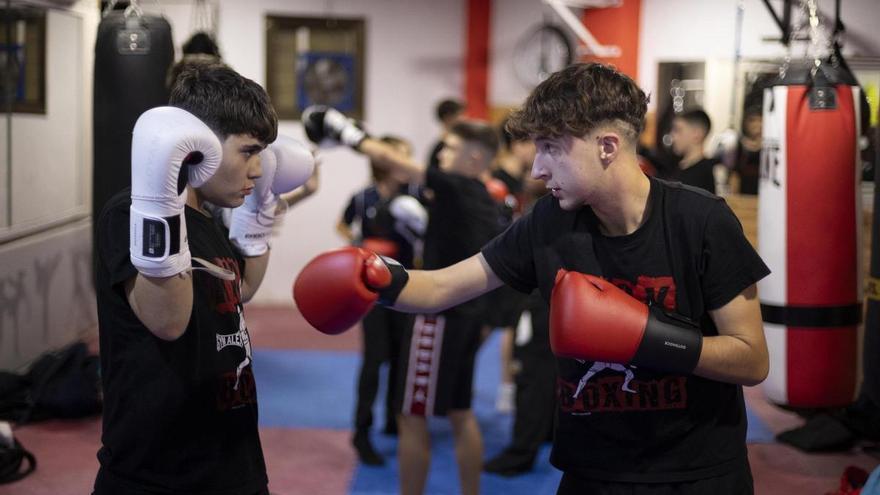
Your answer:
<point x="592" y="319"/>
<point x="286" y="164"/>
<point x="170" y="148"/>
<point x="322" y="122"/>
<point x="337" y="288"/>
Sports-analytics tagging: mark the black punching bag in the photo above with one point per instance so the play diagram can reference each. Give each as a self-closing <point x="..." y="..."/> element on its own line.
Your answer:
<point x="132" y="57"/>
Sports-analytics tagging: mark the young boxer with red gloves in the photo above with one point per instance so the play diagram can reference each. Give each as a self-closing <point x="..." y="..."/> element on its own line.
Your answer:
<point x="655" y="319"/>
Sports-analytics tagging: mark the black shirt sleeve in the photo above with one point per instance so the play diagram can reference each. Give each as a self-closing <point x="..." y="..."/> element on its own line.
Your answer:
<point x="434" y="156"/>
<point x="511" y="254"/>
<point x="348" y="215"/>
<point x="113" y="245"/>
<point x="730" y="263"/>
<point x="441" y="182"/>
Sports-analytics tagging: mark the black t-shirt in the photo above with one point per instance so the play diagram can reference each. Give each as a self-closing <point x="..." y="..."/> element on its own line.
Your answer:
<point x="698" y="175"/>
<point x="514" y="185"/>
<point x="372" y="212"/>
<point x="462" y="218"/>
<point x="691" y="256"/>
<point x="434" y="155"/>
<point x="179" y="416"/>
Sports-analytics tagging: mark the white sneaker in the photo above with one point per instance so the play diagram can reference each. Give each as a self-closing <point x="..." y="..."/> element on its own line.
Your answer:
<point x="505" y="400"/>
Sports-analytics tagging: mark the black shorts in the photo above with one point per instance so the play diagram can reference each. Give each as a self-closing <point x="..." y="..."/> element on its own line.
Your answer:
<point x="437" y="356"/>
<point x="737" y="482"/>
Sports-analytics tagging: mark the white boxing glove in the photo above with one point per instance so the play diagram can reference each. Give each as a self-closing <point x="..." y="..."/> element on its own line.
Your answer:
<point x="408" y="212"/>
<point x="286" y="164"/>
<point x="410" y="215"/>
<point x="164" y="140"/>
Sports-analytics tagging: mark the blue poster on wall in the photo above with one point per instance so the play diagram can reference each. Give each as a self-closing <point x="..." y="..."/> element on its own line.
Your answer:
<point x="12" y="58"/>
<point x="326" y="78"/>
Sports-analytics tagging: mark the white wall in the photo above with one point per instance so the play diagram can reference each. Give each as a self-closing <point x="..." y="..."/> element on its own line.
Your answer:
<point x="52" y="152"/>
<point x="511" y="21"/>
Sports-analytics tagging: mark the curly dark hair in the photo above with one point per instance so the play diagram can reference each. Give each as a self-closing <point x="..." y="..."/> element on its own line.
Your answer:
<point x="577" y="99"/>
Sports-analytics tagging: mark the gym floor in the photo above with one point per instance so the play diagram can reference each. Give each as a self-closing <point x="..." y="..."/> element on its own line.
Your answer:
<point x="305" y="379"/>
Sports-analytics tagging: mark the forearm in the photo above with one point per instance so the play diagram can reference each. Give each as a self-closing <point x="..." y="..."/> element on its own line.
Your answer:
<point x="387" y="157"/>
<point x="344" y="230"/>
<point x="294" y="197"/>
<point x="163" y="305"/>
<point x="739" y="353"/>
<point x="731" y="359"/>
<point x="432" y="291"/>
<point x="254" y="271"/>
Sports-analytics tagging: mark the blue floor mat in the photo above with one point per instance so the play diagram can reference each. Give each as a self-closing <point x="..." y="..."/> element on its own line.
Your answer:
<point x="316" y="389"/>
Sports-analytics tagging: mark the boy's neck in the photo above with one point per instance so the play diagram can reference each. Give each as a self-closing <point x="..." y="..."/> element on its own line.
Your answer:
<point x="624" y="208"/>
<point x="691" y="158"/>
<point x="195" y="200"/>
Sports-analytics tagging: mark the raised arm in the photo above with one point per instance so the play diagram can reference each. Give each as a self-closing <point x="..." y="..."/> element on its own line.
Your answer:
<point x="286" y="165"/>
<point x="326" y="123"/>
<point x="431" y="291"/>
<point x="166" y="142"/>
<point x="337" y="288"/>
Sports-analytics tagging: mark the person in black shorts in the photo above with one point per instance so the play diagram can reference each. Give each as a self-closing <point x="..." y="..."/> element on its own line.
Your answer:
<point x="654" y="313"/>
<point x="369" y="221"/>
<point x="439" y="350"/>
<point x="505" y="303"/>
<point x="689" y="132"/>
<point x="180" y="403"/>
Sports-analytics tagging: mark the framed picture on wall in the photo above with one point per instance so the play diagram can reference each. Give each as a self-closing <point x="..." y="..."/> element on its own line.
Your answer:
<point x="315" y="60"/>
<point x="23" y="59"/>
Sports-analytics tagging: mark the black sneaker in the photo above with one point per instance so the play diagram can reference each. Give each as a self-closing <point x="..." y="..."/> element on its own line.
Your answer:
<point x="505" y="464"/>
<point x="366" y="453"/>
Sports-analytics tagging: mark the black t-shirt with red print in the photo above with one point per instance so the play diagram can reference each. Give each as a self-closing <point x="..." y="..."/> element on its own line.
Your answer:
<point x="623" y="423"/>
<point x="179" y="416"/>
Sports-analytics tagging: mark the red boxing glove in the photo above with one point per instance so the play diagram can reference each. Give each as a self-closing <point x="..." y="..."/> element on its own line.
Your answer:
<point x="592" y="319"/>
<point x="337" y="288"/>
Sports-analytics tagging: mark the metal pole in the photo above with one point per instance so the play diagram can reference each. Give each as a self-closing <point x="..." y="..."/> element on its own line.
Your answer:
<point x="8" y="97"/>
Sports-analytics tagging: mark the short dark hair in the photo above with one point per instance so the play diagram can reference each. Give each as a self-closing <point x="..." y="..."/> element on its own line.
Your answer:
<point x="226" y="101"/>
<point x="448" y="108"/>
<point x="477" y="132"/>
<point x="579" y="98"/>
<point x="201" y="43"/>
<point x="697" y="118"/>
<point x="193" y="58"/>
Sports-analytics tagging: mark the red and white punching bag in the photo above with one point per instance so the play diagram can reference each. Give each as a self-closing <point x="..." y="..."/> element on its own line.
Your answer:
<point x="809" y="232"/>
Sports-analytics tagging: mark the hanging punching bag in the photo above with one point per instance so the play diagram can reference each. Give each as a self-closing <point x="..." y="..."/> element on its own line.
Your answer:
<point x="132" y="57"/>
<point x="809" y="222"/>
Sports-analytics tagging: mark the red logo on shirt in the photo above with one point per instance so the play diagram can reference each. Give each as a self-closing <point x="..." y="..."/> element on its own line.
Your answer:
<point x="650" y="290"/>
<point x="607" y="394"/>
